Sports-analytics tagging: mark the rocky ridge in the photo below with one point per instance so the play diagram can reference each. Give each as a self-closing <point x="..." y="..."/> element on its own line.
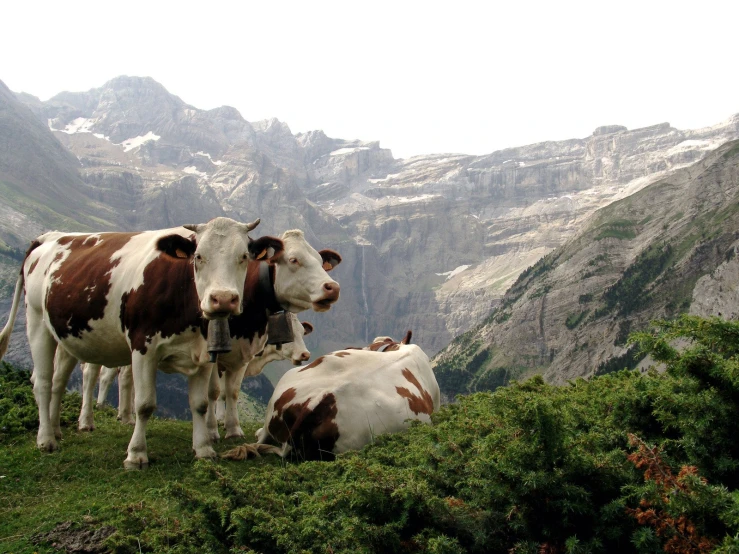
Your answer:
<point x="666" y="249"/>
<point x="429" y="243"/>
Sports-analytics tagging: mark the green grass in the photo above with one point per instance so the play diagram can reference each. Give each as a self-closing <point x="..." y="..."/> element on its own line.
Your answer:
<point x="86" y="478"/>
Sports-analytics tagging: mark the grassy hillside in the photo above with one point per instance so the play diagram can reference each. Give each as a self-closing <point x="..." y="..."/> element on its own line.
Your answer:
<point x="622" y="463"/>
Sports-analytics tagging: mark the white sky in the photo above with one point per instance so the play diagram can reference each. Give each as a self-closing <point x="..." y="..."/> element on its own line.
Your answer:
<point x="420" y="77"/>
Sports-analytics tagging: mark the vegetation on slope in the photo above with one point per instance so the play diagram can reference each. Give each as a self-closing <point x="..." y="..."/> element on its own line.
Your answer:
<point x="622" y="463"/>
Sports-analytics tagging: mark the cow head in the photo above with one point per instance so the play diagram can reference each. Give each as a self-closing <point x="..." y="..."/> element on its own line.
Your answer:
<point x="220" y="251"/>
<point x="301" y="278"/>
<point x="296" y="350"/>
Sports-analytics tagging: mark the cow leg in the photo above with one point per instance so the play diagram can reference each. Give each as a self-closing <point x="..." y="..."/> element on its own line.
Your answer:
<point x="90" y="373"/>
<point x="43" y="347"/>
<point x="233" y="386"/>
<point x="126" y="396"/>
<point x="213" y="394"/>
<point x="199" y="390"/>
<point x="221" y="403"/>
<point x="64" y="364"/>
<point x="144" y="382"/>
<point x="106" y="379"/>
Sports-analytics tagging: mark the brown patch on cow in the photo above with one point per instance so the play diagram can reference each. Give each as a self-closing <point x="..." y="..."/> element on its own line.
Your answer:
<point x="284" y="399"/>
<point x="417" y="404"/>
<point x="311" y="433"/>
<point x="314" y="363"/>
<point x="77" y="295"/>
<point x="252" y="321"/>
<point x="341" y="354"/>
<point x="34" y="263"/>
<point x="33" y="246"/>
<point x="375" y="346"/>
<point x="166" y="302"/>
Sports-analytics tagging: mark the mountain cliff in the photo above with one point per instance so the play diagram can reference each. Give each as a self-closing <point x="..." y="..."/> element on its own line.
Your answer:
<point x="666" y="249"/>
<point x="429" y="243"/>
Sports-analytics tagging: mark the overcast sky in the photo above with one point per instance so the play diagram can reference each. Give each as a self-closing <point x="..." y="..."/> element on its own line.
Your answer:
<point x="420" y="77"/>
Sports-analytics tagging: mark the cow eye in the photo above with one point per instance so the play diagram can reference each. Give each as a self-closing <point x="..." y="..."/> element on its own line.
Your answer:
<point x="198" y="258"/>
<point x="293" y="260"/>
<point x="244" y="258"/>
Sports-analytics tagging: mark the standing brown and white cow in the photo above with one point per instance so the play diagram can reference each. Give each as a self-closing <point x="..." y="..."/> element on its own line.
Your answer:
<point x="295" y="351"/>
<point x="342" y="400"/>
<point x="293" y="279"/>
<point x="131" y="298"/>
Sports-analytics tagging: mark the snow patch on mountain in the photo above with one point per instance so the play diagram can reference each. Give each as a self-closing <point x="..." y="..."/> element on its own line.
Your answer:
<point x="192" y="170"/>
<point x="206" y="155"/>
<point x="453" y="272"/>
<point x="345" y="151"/>
<point x="79" y="125"/>
<point x="135" y="142"/>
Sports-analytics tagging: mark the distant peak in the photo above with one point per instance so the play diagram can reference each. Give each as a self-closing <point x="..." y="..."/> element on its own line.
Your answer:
<point x="608" y="129"/>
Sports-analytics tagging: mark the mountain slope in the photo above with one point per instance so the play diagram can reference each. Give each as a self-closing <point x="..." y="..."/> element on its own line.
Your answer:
<point x="430" y="243"/>
<point x="637" y="259"/>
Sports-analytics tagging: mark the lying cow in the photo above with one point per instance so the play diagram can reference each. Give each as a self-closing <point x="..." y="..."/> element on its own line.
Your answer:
<point x="131" y="298"/>
<point x="294" y="279"/>
<point x="295" y="351"/>
<point x="343" y="400"/>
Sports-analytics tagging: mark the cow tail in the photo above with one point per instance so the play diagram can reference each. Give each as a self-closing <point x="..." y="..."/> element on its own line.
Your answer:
<point x="254" y="450"/>
<point x="8" y="329"/>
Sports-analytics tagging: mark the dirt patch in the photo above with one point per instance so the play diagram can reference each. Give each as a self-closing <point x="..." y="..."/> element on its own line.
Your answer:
<point x="76" y="537"/>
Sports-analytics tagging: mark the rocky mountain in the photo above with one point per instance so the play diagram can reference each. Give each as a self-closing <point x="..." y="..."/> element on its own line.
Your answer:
<point x="429" y="243"/>
<point x="666" y="249"/>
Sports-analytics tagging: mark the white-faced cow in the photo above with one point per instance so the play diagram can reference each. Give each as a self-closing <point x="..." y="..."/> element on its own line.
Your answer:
<point x="295" y="351"/>
<point x="294" y="279"/>
<point x="342" y="400"/>
<point x="131" y="298"/>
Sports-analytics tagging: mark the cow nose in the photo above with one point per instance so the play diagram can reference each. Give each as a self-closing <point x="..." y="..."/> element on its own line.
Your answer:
<point x="304" y="356"/>
<point x="223" y="301"/>
<point x="331" y="289"/>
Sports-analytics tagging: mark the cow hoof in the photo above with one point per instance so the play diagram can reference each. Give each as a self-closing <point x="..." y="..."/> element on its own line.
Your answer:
<point x="99" y="405"/>
<point x="58" y="433"/>
<point x="214" y="436"/>
<point x="205" y="453"/>
<point x="86" y="427"/>
<point x="127" y="420"/>
<point x="140" y="462"/>
<point x="47" y="445"/>
<point x="235" y="434"/>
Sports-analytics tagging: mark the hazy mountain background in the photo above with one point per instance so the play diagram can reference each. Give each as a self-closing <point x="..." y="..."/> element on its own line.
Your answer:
<point x="429" y="243"/>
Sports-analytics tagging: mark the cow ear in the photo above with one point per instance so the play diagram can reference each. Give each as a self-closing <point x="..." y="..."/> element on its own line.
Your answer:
<point x="330" y="259"/>
<point x="194" y="227"/>
<point x="266" y="248"/>
<point x="407" y="337"/>
<point x="176" y="246"/>
<point x="308" y="328"/>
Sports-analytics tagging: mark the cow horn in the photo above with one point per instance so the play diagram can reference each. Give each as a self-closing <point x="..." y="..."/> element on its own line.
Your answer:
<point x="194" y="227"/>
<point x="252" y="225"/>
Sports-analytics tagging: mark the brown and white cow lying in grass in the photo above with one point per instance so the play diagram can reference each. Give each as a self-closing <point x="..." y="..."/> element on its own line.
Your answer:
<point x="343" y="400"/>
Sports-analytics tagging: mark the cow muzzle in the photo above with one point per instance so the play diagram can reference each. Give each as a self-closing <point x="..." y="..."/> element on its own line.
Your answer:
<point x="330" y="295"/>
<point x="303" y="357"/>
<point x="222" y="304"/>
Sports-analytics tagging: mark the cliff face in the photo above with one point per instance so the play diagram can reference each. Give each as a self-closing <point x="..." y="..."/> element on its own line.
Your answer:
<point x="668" y="248"/>
<point x="430" y="243"/>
